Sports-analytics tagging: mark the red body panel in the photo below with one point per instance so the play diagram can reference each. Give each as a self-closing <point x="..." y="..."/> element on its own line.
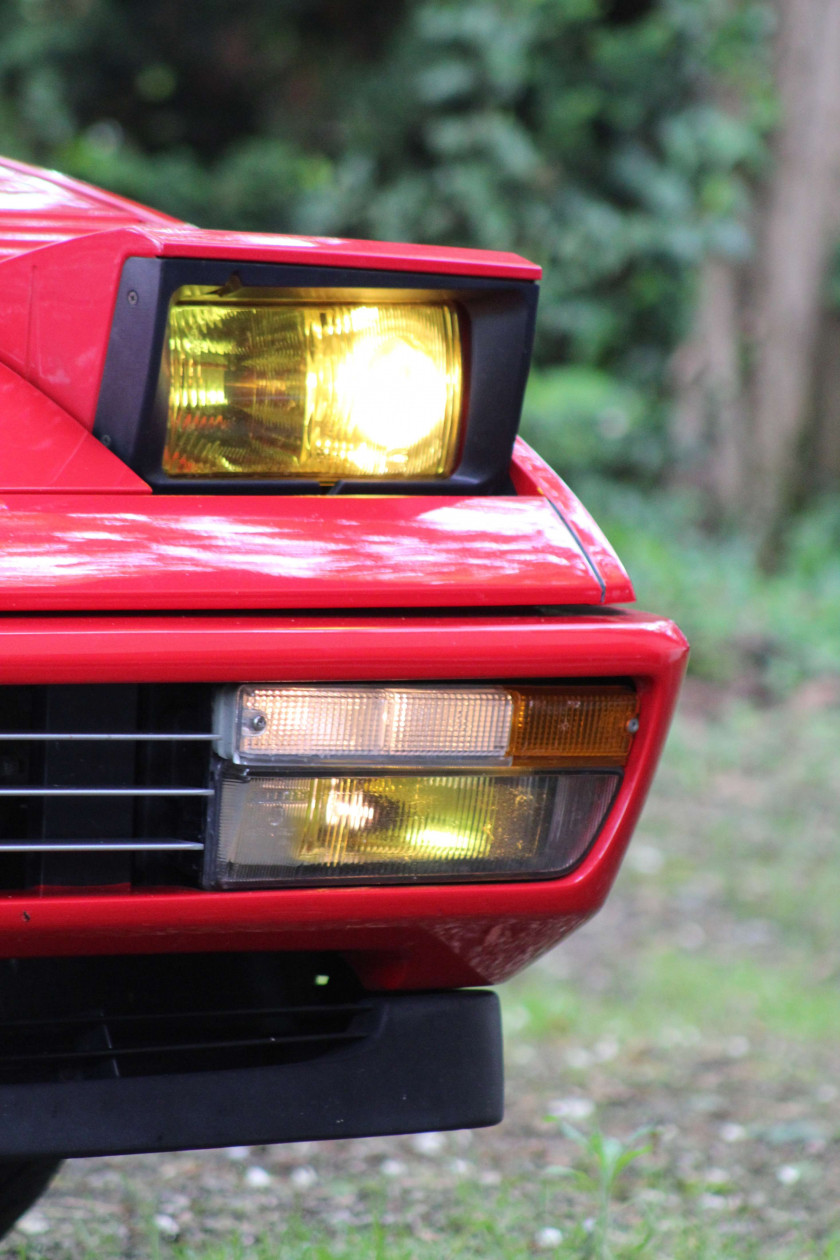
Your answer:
<point x="42" y="448"/>
<point x="88" y="554"/>
<point x="531" y="475"/>
<point x="235" y="552"/>
<point x="40" y="208"/>
<point x="407" y="937"/>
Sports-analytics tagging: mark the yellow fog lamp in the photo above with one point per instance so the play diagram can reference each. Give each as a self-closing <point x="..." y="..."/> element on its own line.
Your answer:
<point x="276" y="387"/>
<point x="322" y="784"/>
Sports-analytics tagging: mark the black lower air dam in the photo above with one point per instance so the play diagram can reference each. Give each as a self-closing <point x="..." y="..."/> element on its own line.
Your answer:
<point x="429" y="1061"/>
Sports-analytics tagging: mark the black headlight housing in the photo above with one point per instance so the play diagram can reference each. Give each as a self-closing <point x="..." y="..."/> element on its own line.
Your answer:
<point x="496" y="319"/>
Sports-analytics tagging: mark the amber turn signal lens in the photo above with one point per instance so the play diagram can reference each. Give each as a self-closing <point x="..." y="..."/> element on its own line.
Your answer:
<point x="281" y="388"/>
<point x="588" y="726"/>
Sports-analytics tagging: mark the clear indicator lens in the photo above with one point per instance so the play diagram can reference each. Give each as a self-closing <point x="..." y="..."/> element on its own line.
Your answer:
<point x="315" y="390"/>
<point x="373" y="724"/>
<point x="292" y="829"/>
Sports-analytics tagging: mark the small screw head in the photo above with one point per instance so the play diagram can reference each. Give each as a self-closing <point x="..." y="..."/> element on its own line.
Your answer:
<point x="633" y="725"/>
<point x="257" y="722"/>
<point x="132" y="298"/>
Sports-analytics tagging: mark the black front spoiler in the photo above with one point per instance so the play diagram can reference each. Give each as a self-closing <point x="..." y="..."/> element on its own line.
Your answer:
<point x="433" y="1062"/>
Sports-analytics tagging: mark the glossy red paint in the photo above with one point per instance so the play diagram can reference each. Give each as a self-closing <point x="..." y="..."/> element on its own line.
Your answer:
<point x="44" y="208"/>
<point x="400" y="937"/>
<point x="42" y="449"/>
<point x="115" y="553"/>
<point x="63" y="246"/>
<point x="62" y="552"/>
<point x="531" y="475"/>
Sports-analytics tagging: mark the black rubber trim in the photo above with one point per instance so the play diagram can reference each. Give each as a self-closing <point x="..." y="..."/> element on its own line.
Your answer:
<point x="22" y="1182"/>
<point x="434" y="1062"/>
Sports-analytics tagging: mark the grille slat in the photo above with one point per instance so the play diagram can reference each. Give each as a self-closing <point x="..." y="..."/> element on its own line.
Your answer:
<point x="104" y="791"/>
<point x="102" y="846"/>
<point x="92" y="1019"/>
<point x="105" y="737"/>
<point x="227" y="1044"/>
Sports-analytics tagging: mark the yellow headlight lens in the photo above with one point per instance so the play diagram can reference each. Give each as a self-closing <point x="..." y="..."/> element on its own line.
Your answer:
<point x="288" y="388"/>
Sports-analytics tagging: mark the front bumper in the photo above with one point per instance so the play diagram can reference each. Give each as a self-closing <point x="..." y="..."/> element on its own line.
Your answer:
<point x="404" y="937"/>
<point x="430" y="1061"/>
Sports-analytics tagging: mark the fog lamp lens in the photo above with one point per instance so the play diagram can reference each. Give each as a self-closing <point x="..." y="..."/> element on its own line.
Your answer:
<point x="281" y="388"/>
<point x="355" y="827"/>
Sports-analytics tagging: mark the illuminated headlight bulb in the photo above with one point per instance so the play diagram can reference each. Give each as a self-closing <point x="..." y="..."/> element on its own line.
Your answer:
<point x="394" y="393"/>
<point x="348" y="809"/>
<point x="320" y="390"/>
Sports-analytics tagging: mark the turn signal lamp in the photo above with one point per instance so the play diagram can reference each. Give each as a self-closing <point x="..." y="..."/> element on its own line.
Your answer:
<point x="282" y="388"/>
<point x="408" y="783"/>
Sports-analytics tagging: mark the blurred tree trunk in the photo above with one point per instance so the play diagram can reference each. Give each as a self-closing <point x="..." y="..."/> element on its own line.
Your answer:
<point x="824" y="471"/>
<point x="798" y="233"/>
<point x="745" y="409"/>
<point x="710" y="413"/>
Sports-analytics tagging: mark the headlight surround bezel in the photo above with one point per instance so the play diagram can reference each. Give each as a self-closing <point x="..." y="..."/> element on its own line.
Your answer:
<point x="496" y="318"/>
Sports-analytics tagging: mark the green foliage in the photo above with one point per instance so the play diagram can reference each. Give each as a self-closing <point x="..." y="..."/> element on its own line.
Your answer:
<point x="583" y="133"/>
<point x="606" y="1160"/>
<point x="739" y="621"/>
<point x="581" y="419"/>
<point x="583" y="141"/>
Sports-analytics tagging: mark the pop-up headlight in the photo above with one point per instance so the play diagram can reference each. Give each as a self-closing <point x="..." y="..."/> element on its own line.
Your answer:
<point x="321" y="784"/>
<point x="269" y="378"/>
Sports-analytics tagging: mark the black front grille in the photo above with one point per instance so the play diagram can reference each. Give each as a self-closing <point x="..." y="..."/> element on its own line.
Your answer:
<point x="103" y="783"/>
<point x="93" y="1018"/>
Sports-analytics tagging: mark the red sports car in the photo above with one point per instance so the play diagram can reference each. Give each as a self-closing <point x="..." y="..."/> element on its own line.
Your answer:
<point x="319" y="707"/>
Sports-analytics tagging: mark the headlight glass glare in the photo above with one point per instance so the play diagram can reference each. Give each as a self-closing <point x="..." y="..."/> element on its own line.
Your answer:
<point x="317" y="390"/>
